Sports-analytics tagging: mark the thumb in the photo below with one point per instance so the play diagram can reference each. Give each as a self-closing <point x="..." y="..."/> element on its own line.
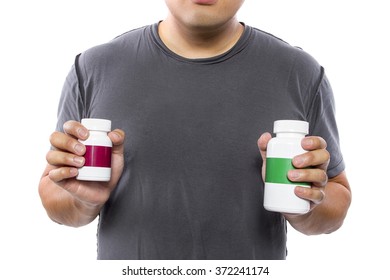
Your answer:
<point x="262" y="144"/>
<point x="117" y="137"/>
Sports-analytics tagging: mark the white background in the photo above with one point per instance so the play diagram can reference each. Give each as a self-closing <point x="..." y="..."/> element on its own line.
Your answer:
<point x="39" y="40"/>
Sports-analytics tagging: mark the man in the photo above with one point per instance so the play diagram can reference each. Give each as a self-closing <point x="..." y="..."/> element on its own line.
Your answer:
<point x="192" y="93"/>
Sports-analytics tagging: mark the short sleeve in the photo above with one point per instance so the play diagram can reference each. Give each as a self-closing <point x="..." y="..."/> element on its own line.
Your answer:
<point x="322" y="121"/>
<point x="71" y="104"/>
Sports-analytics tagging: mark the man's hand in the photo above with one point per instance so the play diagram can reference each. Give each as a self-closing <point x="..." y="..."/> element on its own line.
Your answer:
<point x="82" y="198"/>
<point x="330" y="198"/>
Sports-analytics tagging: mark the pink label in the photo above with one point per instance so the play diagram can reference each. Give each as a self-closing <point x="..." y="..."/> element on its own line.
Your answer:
<point x="97" y="156"/>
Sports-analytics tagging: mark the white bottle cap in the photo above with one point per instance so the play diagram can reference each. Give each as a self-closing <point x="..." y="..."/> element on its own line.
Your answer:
<point x="291" y="126"/>
<point x="97" y="124"/>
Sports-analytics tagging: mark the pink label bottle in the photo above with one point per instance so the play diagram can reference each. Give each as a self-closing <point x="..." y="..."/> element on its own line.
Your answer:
<point x="98" y="146"/>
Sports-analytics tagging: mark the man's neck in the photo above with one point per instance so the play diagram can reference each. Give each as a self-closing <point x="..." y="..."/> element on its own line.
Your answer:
<point x="199" y="43"/>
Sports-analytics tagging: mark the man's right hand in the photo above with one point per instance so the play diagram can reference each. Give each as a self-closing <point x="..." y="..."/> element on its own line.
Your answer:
<point x="67" y="200"/>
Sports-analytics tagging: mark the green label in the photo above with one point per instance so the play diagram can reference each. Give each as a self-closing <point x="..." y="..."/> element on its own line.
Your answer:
<point x="277" y="169"/>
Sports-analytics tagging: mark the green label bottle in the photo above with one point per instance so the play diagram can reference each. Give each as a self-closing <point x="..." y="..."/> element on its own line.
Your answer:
<point x="279" y="193"/>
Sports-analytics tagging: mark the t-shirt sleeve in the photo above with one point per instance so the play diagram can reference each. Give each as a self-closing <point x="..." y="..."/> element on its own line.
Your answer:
<point x="71" y="104"/>
<point x="322" y="121"/>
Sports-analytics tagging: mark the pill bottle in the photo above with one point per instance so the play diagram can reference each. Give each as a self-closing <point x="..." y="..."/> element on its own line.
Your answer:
<point x="98" y="146"/>
<point x="279" y="193"/>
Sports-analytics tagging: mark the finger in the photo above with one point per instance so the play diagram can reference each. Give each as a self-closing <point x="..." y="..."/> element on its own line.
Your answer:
<point x="65" y="142"/>
<point x="319" y="158"/>
<point x="262" y="144"/>
<point x="317" y="177"/>
<point x="311" y="143"/>
<point x="315" y="195"/>
<point x="60" y="174"/>
<point x="117" y="137"/>
<point x="76" y="129"/>
<point x="59" y="158"/>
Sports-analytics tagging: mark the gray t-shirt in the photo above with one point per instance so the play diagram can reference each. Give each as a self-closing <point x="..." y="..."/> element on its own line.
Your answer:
<point x="192" y="185"/>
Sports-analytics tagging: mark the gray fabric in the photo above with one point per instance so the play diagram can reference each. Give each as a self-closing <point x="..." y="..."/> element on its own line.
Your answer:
<point x="192" y="186"/>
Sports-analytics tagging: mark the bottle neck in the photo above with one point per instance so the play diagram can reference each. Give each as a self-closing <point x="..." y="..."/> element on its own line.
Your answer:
<point x="97" y="132"/>
<point x="290" y="135"/>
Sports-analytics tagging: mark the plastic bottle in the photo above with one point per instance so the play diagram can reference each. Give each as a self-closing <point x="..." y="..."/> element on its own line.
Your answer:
<point x="97" y="165"/>
<point x="279" y="193"/>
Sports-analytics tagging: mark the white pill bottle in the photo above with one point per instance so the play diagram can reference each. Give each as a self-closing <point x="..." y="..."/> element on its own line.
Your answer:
<point x="97" y="166"/>
<point x="279" y="193"/>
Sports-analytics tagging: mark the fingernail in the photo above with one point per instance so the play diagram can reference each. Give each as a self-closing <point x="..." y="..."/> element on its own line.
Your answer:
<point x="294" y="174"/>
<point x="307" y="141"/>
<point x="79" y="148"/>
<point x="300" y="190"/>
<point x="116" y="136"/>
<point x="73" y="171"/>
<point x="78" y="160"/>
<point x="298" y="161"/>
<point x="82" y="132"/>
